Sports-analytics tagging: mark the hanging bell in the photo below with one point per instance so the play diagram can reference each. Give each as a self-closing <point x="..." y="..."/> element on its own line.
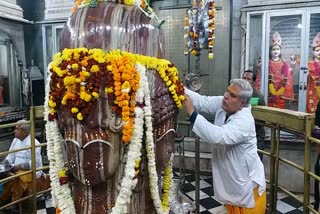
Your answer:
<point x="193" y="82"/>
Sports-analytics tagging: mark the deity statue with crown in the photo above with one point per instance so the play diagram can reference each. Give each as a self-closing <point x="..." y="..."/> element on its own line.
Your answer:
<point x="280" y="82"/>
<point x="313" y="88"/>
<point x="111" y="107"/>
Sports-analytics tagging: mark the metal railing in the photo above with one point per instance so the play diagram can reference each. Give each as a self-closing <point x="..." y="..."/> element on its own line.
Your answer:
<point x="33" y="165"/>
<point x="297" y="123"/>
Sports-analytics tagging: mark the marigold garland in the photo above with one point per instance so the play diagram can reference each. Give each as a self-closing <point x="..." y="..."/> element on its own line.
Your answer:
<point x="77" y="75"/>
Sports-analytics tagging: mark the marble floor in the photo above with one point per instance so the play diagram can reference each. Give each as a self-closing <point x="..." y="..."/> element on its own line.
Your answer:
<point x="285" y="204"/>
<point x="208" y="205"/>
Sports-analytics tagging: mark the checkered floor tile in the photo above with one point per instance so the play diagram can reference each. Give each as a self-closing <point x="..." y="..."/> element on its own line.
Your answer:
<point x="285" y="204"/>
<point x="208" y="205"/>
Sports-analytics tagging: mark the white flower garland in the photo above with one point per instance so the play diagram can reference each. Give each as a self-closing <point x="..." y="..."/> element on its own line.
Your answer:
<point x="153" y="176"/>
<point x="62" y="197"/>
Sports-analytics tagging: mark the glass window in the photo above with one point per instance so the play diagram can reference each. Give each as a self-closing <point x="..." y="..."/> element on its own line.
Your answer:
<point x="255" y="41"/>
<point x="4" y="79"/>
<point x="283" y="65"/>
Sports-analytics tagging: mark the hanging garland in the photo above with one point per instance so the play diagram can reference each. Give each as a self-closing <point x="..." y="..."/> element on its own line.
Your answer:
<point x="199" y="28"/>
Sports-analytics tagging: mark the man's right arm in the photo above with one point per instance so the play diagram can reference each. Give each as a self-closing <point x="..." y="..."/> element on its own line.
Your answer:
<point x="201" y="103"/>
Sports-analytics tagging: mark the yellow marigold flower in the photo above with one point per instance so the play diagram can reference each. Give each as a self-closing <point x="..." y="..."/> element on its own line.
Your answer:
<point x="101" y="59"/>
<point x="168" y="83"/>
<point x="62" y="173"/>
<point x="52" y="110"/>
<point x="194" y="52"/>
<point x="182" y="98"/>
<point x="95" y="95"/>
<point x="94" y="68"/>
<point x="109" y="67"/>
<point x="59" y="72"/>
<point x="172" y="88"/>
<point x="126" y="87"/>
<point x="74" y="110"/>
<point x="137" y="162"/>
<point x="210" y="56"/>
<point x="69" y="80"/>
<point x="52" y="104"/>
<point x="108" y="90"/>
<point x="85" y="96"/>
<point x="57" y="55"/>
<point x="79" y="116"/>
<point x="75" y="66"/>
<point x="128" y="2"/>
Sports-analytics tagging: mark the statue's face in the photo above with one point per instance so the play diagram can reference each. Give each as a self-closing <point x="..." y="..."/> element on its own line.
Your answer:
<point x="92" y="148"/>
<point x="275" y="51"/>
<point x="316" y="53"/>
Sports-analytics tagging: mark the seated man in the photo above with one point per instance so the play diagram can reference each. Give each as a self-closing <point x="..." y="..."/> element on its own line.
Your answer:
<point x="21" y="161"/>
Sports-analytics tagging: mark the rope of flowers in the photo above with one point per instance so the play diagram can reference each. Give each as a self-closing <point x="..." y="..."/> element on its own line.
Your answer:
<point x="161" y="204"/>
<point x="61" y="193"/>
<point x="199" y="27"/>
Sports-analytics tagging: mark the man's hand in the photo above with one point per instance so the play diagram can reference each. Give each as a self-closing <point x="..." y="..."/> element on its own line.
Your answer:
<point x="188" y="104"/>
<point x="16" y="168"/>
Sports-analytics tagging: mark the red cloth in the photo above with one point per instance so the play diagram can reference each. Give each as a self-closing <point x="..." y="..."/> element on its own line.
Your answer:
<point x="280" y="76"/>
<point x="313" y="82"/>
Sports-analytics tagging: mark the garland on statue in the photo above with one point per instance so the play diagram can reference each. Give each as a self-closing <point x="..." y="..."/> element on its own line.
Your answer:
<point x="77" y="74"/>
<point x="74" y="81"/>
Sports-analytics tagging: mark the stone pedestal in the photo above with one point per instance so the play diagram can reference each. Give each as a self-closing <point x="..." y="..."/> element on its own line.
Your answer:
<point x="58" y="9"/>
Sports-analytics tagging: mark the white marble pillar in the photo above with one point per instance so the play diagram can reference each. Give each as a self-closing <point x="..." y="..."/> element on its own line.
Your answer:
<point x="58" y="9"/>
<point x="9" y="8"/>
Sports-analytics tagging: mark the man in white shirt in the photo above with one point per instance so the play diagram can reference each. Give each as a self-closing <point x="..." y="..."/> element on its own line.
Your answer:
<point x="238" y="173"/>
<point x="21" y="161"/>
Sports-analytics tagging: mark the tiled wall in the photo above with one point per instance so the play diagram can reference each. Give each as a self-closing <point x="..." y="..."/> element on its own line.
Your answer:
<point x="215" y="72"/>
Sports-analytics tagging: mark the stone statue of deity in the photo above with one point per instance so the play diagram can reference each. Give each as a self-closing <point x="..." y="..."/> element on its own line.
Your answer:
<point x="113" y="113"/>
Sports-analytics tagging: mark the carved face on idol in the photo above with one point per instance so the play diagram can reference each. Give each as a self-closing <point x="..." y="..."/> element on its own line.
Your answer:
<point x="275" y="52"/>
<point x="93" y="146"/>
<point x="316" y="53"/>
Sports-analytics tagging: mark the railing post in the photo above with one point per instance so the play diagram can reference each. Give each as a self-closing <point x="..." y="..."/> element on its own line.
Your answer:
<point x="276" y="169"/>
<point x="272" y="169"/>
<point x="307" y="163"/>
<point x="33" y="160"/>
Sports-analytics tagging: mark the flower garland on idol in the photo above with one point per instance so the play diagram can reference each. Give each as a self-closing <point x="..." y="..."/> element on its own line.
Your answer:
<point x="199" y="27"/>
<point x="75" y="79"/>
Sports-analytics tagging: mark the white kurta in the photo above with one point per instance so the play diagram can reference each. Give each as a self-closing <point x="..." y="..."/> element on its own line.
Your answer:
<point x="24" y="157"/>
<point x="236" y="166"/>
